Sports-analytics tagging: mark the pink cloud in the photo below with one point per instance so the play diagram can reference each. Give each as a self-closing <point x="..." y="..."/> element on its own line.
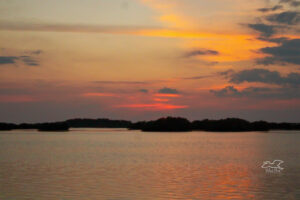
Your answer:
<point x="168" y="95"/>
<point x="161" y="100"/>
<point x="155" y="106"/>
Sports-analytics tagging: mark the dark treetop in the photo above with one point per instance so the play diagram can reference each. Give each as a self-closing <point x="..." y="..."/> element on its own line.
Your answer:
<point x="172" y="124"/>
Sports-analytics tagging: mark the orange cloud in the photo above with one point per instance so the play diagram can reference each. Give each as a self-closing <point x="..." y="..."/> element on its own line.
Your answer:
<point x="231" y="47"/>
<point x="173" y="19"/>
<point x="167" y="95"/>
<point x="161" y="100"/>
<point x="169" y="13"/>
<point x="155" y="106"/>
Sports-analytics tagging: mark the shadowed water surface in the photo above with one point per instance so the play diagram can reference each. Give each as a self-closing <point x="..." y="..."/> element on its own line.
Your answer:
<point x="120" y="164"/>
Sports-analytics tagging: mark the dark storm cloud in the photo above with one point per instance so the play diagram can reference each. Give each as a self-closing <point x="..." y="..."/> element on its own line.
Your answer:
<point x="287" y="52"/>
<point x="7" y="60"/>
<point x="168" y="91"/>
<point x="264" y="29"/>
<point x="275" y="8"/>
<point x="265" y="76"/>
<point x="288" y="17"/>
<point x="201" y="53"/>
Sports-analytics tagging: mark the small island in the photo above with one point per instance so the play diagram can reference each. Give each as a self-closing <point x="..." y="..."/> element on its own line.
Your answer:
<point x="177" y="124"/>
<point x="54" y="126"/>
<point x="50" y="127"/>
<point x="7" y="126"/>
<point x="168" y="124"/>
<point x="66" y="125"/>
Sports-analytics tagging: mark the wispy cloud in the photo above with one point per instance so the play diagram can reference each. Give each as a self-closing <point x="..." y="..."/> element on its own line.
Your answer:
<point x="48" y="27"/>
<point x="144" y="90"/>
<point x="7" y="60"/>
<point x="274" y="8"/>
<point x="27" y="60"/>
<point x="287" y="17"/>
<point x="294" y="3"/>
<point x="168" y="91"/>
<point x="264" y="29"/>
<point x="201" y="52"/>
<point x="272" y="24"/>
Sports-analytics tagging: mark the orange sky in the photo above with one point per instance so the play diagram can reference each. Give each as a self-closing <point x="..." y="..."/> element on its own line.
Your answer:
<point x="140" y="59"/>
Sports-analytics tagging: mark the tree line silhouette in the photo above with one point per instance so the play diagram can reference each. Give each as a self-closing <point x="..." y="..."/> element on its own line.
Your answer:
<point x="177" y="124"/>
<point x="167" y="124"/>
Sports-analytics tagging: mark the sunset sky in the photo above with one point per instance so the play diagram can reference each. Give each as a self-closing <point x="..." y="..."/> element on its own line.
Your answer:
<point x="144" y="59"/>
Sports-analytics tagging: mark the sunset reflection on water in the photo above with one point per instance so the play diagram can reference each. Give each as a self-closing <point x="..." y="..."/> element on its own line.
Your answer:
<point x="103" y="164"/>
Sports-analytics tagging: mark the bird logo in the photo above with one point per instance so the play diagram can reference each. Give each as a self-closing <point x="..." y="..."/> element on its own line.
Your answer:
<point x="275" y="165"/>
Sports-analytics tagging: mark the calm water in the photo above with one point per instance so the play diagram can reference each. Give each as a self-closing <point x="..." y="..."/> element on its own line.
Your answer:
<point x="120" y="164"/>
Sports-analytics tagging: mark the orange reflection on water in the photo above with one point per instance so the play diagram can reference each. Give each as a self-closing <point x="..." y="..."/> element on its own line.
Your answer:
<point x="202" y="182"/>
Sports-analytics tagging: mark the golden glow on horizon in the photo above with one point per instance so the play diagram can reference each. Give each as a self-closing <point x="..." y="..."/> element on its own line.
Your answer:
<point x="155" y="106"/>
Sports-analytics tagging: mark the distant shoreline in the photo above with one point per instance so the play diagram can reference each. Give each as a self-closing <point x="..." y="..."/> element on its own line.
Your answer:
<point x="168" y="124"/>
